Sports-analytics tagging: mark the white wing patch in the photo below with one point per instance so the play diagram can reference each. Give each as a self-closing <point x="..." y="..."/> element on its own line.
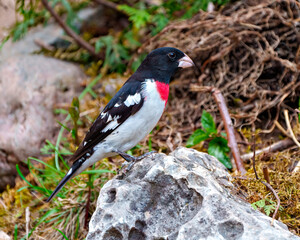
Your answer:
<point x="109" y="118"/>
<point x="112" y="125"/>
<point x="133" y="99"/>
<point x="70" y="171"/>
<point x="103" y="115"/>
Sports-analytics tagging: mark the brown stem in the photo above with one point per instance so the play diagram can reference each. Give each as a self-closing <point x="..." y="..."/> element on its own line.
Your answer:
<point x="229" y="129"/>
<point x="87" y="208"/>
<point x="264" y="183"/>
<point x="70" y="32"/>
<point x="227" y="123"/>
<point x="278" y="146"/>
<point x="266" y="174"/>
<point x="253" y="159"/>
<point x="276" y="196"/>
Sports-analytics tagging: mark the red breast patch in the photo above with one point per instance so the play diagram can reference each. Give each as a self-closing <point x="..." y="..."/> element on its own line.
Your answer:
<point x="163" y="90"/>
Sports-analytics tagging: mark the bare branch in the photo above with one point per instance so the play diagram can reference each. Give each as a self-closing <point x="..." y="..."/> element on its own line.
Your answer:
<point x="227" y="124"/>
<point x="278" y="146"/>
<point x="70" y="32"/>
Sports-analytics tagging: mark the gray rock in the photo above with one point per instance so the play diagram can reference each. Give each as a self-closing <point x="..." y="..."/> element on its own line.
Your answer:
<point x="184" y="196"/>
<point x="47" y="35"/>
<point x="4" y="236"/>
<point x="28" y="45"/>
<point x="30" y="86"/>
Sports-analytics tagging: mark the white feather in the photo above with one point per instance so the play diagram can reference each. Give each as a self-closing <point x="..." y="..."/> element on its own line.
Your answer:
<point x="103" y="115"/>
<point x="70" y="171"/>
<point x="133" y="99"/>
<point x="112" y="125"/>
<point x="109" y="118"/>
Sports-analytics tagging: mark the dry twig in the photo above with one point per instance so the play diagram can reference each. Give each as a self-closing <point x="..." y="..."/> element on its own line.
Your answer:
<point x="288" y="124"/>
<point x="219" y="99"/>
<point x="70" y="32"/>
<point x="278" y="146"/>
<point x="265" y="183"/>
<point x="27" y="219"/>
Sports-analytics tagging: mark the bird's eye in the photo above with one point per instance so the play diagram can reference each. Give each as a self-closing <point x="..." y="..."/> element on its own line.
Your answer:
<point x="172" y="55"/>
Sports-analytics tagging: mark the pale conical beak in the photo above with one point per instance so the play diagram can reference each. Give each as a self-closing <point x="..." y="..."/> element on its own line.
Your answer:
<point x="185" y="62"/>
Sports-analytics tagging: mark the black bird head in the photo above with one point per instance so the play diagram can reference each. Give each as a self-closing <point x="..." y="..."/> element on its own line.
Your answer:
<point x="162" y="63"/>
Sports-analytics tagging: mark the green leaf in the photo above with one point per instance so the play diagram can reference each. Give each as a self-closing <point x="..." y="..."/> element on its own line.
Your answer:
<point x="261" y="203"/>
<point x="150" y="144"/>
<point x="131" y="38"/>
<point x="22" y="176"/>
<point x="115" y="53"/>
<point x="268" y="209"/>
<point x="160" y="21"/>
<point x="65" y="237"/>
<point x="139" y="17"/>
<point x="73" y="132"/>
<point x="223" y="134"/>
<point x="74" y="110"/>
<point x="74" y="114"/>
<point x="98" y="45"/>
<point x="97" y="171"/>
<point x="75" y="102"/>
<point x="208" y="123"/>
<point x="60" y="111"/>
<point x="218" y="148"/>
<point x="64" y="126"/>
<point x="16" y="232"/>
<point x="198" y="136"/>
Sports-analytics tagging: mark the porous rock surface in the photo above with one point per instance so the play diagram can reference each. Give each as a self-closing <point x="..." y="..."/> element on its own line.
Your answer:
<point x="186" y="196"/>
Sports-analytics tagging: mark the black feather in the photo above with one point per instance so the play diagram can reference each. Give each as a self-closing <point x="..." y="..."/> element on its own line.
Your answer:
<point x="65" y="179"/>
<point x="95" y="135"/>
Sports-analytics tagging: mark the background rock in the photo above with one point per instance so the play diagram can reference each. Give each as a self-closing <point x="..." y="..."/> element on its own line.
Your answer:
<point x="30" y="86"/>
<point x="4" y="236"/>
<point x="28" y="45"/>
<point x="7" y="16"/>
<point x="182" y="196"/>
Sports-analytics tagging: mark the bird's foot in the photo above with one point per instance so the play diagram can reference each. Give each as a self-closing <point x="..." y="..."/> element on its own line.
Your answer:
<point x="139" y="158"/>
<point x="131" y="160"/>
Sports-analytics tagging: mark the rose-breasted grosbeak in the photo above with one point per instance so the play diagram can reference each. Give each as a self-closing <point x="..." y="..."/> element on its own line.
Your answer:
<point x="131" y="114"/>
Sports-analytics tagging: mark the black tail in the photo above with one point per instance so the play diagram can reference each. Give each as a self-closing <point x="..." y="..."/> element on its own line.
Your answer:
<point x="66" y="178"/>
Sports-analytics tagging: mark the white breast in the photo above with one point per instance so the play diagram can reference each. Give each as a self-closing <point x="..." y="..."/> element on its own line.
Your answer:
<point x="139" y="125"/>
<point x="134" y="129"/>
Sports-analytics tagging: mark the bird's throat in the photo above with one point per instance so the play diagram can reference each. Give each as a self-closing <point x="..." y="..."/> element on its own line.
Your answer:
<point x="163" y="90"/>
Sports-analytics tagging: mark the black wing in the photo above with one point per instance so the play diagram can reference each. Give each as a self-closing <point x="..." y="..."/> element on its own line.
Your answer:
<point x="115" y="113"/>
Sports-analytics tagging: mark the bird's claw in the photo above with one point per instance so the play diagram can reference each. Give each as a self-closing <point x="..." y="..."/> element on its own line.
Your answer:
<point x="145" y="155"/>
<point x="127" y="166"/>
